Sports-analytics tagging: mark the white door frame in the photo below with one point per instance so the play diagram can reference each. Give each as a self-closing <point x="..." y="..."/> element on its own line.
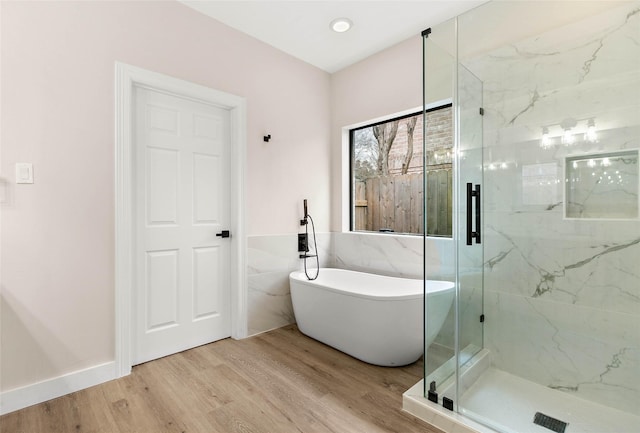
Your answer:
<point x="127" y="77"/>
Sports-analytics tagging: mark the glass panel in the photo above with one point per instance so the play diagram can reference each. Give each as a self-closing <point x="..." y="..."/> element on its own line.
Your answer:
<point x="460" y="336"/>
<point x="469" y="201"/>
<point x="440" y="324"/>
<point x="560" y="84"/>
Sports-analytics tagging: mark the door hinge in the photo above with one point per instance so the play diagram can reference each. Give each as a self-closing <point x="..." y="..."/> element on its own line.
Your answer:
<point x="432" y="395"/>
<point x="447" y="403"/>
<point x="481" y="111"/>
<point x="482" y="318"/>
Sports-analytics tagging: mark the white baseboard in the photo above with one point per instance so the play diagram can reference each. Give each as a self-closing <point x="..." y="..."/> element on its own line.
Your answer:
<point x="29" y="395"/>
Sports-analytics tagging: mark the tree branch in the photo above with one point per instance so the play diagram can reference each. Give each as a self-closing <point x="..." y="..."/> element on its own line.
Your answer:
<point x="411" y="125"/>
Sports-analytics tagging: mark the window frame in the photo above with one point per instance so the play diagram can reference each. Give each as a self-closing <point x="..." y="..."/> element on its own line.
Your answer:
<point x="348" y="134"/>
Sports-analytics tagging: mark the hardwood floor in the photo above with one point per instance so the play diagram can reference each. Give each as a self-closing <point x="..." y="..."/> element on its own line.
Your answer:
<point x="279" y="381"/>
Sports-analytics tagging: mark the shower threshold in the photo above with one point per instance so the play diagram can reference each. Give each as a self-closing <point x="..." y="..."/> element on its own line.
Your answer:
<point x="509" y="403"/>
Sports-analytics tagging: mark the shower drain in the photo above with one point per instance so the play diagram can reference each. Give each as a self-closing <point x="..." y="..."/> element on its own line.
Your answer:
<point x="549" y="422"/>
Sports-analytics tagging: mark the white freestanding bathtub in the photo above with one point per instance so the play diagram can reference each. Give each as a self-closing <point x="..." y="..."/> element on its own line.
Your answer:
<point x="374" y="318"/>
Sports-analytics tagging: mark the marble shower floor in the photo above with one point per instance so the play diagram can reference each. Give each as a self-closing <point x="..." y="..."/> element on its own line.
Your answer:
<point x="511" y="403"/>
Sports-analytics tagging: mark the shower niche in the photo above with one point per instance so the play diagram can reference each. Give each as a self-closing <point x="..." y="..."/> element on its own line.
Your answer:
<point x="602" y="186"/>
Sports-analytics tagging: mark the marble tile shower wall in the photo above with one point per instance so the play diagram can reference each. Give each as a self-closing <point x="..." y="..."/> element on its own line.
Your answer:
<point x="562" y="296"/>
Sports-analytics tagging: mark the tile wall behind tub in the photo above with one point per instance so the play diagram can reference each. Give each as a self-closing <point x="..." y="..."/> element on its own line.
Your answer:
<point x="562" y="296"/>
<point x="272" y="258"/>
<point x="270" y="261"/>
<point x="394" y="255"/>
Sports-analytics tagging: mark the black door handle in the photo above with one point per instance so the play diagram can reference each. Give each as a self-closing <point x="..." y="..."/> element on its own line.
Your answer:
<point x="471" y="194"/>
<point x="224" y="234"/>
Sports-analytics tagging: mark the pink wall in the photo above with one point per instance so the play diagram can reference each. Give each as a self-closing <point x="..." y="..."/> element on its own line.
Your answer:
<point x="380" y="86"/>
<point x="386" y="83"/>
<point x="57" y="83"/>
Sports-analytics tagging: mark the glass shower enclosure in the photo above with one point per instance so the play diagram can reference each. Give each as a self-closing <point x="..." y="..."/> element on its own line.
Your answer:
<point x="544" y="333"/>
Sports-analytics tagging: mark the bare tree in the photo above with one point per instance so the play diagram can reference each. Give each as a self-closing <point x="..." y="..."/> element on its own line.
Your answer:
<point x="411" y="125"/>
<point x="365" y="153"/>
<point x="385" y="133"/>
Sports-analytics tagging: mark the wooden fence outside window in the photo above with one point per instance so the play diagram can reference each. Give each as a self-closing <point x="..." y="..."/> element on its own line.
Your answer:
<point x="395" y="203"/>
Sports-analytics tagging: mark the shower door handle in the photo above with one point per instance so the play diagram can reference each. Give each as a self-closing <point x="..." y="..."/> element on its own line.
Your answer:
<point x="473" y="193"/>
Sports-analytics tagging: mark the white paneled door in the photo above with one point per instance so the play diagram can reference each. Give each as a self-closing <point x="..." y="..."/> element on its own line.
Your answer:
<point x="181" y="196"/>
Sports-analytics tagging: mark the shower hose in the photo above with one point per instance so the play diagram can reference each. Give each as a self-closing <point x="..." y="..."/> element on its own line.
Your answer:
<point x="315" y="248"/>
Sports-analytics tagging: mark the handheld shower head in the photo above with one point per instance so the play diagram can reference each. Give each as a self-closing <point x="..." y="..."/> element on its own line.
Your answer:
<point x="304" y="221"/>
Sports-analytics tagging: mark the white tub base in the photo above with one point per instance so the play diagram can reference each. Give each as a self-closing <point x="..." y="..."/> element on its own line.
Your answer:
<point x="374" y="318"/>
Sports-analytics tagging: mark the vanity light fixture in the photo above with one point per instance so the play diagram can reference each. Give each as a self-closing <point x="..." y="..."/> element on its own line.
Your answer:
<point x="571" y="132"/>
<point x="341" y="25"/>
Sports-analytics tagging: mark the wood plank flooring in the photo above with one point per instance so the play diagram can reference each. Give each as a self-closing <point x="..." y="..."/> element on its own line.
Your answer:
<point x="279" y="381"/>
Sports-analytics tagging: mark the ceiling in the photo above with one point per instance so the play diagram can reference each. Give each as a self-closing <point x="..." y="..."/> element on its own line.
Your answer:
<point x="301" y="27"/>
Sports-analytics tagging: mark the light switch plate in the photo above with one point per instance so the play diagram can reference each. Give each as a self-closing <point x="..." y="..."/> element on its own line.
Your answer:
<point x="24" y="172"/>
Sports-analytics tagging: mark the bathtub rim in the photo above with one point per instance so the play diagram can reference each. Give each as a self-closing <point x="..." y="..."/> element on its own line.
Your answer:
<point x="300" y="277"/>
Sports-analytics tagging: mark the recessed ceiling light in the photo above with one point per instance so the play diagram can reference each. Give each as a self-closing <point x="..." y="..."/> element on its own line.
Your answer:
<point x="341" y="25"/>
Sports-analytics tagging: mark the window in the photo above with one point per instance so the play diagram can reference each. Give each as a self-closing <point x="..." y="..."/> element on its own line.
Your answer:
<point x="387" y="174"/>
